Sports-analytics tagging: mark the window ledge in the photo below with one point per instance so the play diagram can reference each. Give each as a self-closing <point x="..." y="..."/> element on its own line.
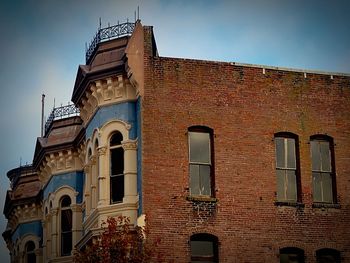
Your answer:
<point x="325" y="205"/>
<point x="286" y="203"/>
<point x="198" y="198"/>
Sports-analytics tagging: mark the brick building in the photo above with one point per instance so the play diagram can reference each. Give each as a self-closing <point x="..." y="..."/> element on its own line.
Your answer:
<point x="229" y="162"/>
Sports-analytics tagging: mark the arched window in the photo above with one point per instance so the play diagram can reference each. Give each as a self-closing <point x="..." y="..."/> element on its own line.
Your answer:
<point x="327" y="255"/>
<point x="323" y="169"/>
<point x="97" y="172"/>
<point x="30" y="252"/>
<point x="287" y="167"/>
<point x="66" y="226"/>
<point x="201" y="161"/>
<point x="291" y="255"/>
<point x="117" y="168"/>
<point x="204" y="248"/>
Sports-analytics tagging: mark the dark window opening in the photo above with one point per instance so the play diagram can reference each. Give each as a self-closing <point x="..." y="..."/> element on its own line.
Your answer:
<point x="201" y="161"/>
<point x="116" y="139"/>
<point x="117" y="168"/>
<point x="66" y="227"/>
<point x="30" y="252"/>
<point x="291" y="255"/>
<point x="328" y="255"/>
<point x="323" y="172"/>
<point x="204" y="248"/>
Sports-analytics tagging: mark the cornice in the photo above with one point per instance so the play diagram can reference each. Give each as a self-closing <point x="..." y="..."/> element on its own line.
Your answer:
<point x="104" y="92"/>
<point x="89" y="77"/>
<point x="59" y="162"/>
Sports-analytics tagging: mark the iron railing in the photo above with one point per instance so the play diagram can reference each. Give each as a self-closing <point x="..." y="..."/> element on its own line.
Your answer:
<point x="110" y="32"/>
<point x="61" y="113"/>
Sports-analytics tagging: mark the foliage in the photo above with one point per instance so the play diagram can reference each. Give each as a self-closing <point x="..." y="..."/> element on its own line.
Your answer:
<point x="119" y="242"/>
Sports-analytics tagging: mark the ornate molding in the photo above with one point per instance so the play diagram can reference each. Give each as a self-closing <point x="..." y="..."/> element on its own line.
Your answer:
<point x="102" y="150"/>
<point x="61" y="161"/>
<point x="105" y="91"/>
<point x="24" y="213"/>
<point x="129" y="145"/>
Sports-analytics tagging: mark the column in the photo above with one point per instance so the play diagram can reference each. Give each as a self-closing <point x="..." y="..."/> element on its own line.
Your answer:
<point x="130" y="175"/>
<point x="87" y="196"/>
<point x="94" y="175"/>
<point x="76" y="224"/>
<point x="103" y="178"/>
<point x="44" y="227"/>
<point x="48" y="238"/>
<point x="54" y="233"/>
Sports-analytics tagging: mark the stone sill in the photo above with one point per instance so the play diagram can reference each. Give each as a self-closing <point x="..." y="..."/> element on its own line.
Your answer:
<point x="205" y="199"/>
<point x="286" y="203"/>
<point x="325" y="205"/>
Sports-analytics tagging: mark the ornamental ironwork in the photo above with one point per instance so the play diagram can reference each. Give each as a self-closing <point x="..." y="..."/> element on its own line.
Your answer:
<point x="108" y="33"/>
<point x="61" y="113"/>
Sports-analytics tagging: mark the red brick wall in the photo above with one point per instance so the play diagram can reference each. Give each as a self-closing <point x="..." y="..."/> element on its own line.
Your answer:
<point x="245" y="108"/>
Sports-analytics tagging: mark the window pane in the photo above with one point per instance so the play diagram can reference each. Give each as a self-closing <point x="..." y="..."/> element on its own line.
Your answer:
<point x="281" y="193"/>
<point x="65" y="201"/>
<point x="202" y="248"/>
<point x="325" y="156"/>
<point x="117" y="188"/>
<point x="194" y="177"/>
<point x="31" y="257"/>
<point x="317" y="187"/>
<point x="116" y="139"/>
<point x="117" y="161"/>
<point x="315" y="155"/>
<point x="327" y="188"/>
<point x="66" y="243"/>
<point x="291" y="185"/>
<point x="66" y="220"/>
<point x="204" y="177"/>
<point x="280" y="155"/>
<point x="291" y="153"/>
<point x="30" y="246"/>
<point x="292" y="255"/>
<point x="199" y="147"/>
<point x="284" y="258"/>
<point x="328" y="256"/>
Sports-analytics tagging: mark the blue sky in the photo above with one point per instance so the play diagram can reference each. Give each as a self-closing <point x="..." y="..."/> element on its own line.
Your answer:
<point x="43" y="42"/>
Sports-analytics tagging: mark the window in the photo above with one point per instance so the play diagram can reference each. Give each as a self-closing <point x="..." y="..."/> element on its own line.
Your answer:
<point x="30" y="252"/>
<point x="287" y="167"/>
<point x="291" y="255"/>
<point x="117" y="168"/>
<point x="327" y="255"/>
<point x="201" y="161"/>
<point x="66" y="226"/>
<point x="204" y="248"/>
<point x="97" y="172"/>
<point x="323" y="175"/>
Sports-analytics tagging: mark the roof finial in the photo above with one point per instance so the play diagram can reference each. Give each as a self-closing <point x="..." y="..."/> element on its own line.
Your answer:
<point x="100" y="23"/>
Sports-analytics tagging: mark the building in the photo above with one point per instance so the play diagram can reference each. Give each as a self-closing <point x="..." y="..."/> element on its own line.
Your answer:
<point x="229" y="162"/>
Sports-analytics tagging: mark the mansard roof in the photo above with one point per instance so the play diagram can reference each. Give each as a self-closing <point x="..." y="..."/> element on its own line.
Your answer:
<point x="26" y="187"/>
<point x="64" y="134"/>
<point x="108" y="59"/>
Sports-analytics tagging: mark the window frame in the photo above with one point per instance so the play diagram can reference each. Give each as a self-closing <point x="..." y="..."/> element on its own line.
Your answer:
<point x="211" y="164"/>
<point x="329" y="139"/>
<point x="111" y="148"/>
<point x="207" y="238"/>
<point x="64" y="233"/>
<point x="289" y="135"/>
<point x="29" y="253"/>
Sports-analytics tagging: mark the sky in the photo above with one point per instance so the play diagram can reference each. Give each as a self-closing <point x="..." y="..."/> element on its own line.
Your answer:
<point x="43" y="42"/>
